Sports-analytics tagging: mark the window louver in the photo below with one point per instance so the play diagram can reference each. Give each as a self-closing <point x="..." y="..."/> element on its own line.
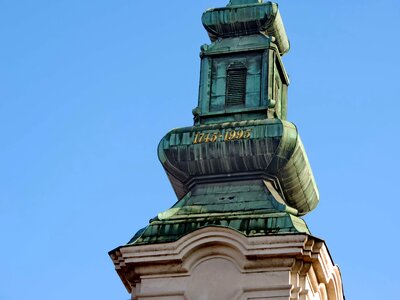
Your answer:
<point x="236" y="84"/>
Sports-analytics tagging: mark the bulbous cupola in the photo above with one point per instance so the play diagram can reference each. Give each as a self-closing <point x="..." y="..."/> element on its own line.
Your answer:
<point x="242" y="179"/>
<point x="242" y="165"/>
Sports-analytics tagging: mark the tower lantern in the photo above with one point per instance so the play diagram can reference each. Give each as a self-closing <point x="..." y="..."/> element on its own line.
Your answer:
<point x="242" y="74"/>
<point x="242" y="179"/>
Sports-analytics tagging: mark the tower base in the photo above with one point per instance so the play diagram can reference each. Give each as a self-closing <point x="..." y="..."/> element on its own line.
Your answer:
<point x="217" y="263"/>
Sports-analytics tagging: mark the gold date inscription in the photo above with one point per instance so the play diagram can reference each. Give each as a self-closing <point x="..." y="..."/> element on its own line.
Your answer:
<point x="218" y="136"/>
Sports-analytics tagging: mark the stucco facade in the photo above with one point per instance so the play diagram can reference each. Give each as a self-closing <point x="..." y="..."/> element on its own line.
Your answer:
<point x="221" y="264"/>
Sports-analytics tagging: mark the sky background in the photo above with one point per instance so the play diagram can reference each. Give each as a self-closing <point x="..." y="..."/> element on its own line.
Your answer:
<point x="88" y="88"/>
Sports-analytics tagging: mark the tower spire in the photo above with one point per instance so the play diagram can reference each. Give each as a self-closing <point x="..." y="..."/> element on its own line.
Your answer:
<point x="242" y="165"/>
<point x="242" y="179"/>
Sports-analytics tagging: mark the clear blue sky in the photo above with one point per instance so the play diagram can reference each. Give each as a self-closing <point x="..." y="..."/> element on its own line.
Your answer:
<point x="88" y="88"/>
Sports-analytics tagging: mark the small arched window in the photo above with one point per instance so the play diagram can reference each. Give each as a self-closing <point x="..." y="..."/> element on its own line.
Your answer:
<point x="236" y="76"/>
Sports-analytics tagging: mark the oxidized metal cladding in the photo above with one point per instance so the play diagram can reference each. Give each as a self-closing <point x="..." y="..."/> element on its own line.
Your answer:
<point x="255" y="42"/>
<point x="167" y="231"/>
<point x="297" y="181"/>
<point x="245" y="20"/>
<point x="233" y="197"/>
<point x="270" y="148"/>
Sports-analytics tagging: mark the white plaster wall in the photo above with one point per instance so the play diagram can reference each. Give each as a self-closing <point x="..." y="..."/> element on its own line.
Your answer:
<point x="221" y="264"/>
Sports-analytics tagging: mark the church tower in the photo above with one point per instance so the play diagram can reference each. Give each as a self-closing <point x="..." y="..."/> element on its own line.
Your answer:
<point x="242" y="179"/>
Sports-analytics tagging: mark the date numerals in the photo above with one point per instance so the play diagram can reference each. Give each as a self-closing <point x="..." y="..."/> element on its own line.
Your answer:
<point x="218" y="136"/>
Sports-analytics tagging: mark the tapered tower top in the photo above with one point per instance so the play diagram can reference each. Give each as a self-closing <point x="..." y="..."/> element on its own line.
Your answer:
<point x="242" y="165"/>
<point x="241" y="177"/>
<point x="244" y="18"/>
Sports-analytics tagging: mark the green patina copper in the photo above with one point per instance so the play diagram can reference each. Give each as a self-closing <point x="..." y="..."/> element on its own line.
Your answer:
<point x="247" y="206"/>
<point x="273" y="151"/>
<point x="242" y="165"/>
<point x="242" y="18"/>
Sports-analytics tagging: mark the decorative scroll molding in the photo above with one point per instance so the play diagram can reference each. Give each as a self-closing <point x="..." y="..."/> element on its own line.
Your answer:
<point x="295" y="266"/>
